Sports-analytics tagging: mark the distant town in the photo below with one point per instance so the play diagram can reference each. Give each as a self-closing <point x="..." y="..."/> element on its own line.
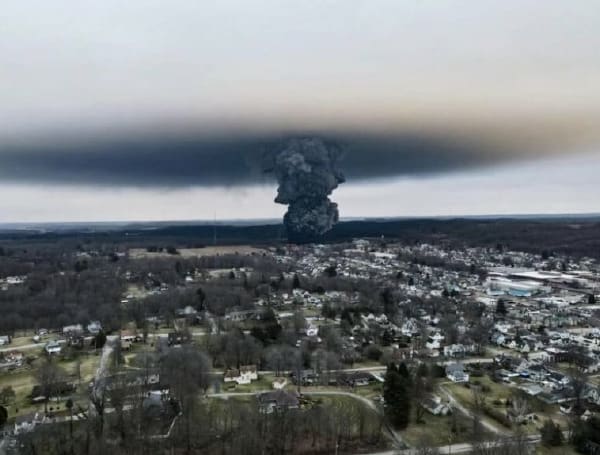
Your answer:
<point x="370" y="345"/>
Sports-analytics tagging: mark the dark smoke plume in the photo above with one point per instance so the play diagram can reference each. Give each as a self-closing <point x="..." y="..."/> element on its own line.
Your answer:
<point x="307" y="172"/>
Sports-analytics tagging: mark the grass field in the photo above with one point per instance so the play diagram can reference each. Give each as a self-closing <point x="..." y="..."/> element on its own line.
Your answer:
<point x="22" y="382"/>
<point x="436" y="430"/>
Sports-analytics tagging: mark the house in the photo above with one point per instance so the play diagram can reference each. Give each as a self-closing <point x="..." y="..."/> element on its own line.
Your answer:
<point x="245" y="375"/>
<point x="560" y="379"/>
<point x="456" y="373"/>
<point x="11" y="360"/>
<point x="306" y="377"/>
<point x="534" y="372"/>
<point x="53" y="348"/>
<point x="566" y="409"/>
<point x="587" y="415"/>
<point x="177" y="338"/>
<point x="278" y="400"/>
<point x="592" y="394"/>
<point x="187" y="311"/>
<point x="75" y="329"/>
<point x="128" y="337"/>
<point x="238" y="316"/>
<point x="498" y="338"/>
<point x="94" y="327"/>
<point x="409" y="328"/>
<point x="27" y="422"/>
<point x="531" y="389"/>
<point x="76" y="341"/>
<point x="312" y="330"/>
<point x="458" y="350"/>
<point x="355" y="379"/>
<point x="279" y="383"/>
<point x="435" y="406"/>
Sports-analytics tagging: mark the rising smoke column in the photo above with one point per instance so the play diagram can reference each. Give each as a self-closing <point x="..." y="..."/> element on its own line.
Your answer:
<point x="307" y="173"/>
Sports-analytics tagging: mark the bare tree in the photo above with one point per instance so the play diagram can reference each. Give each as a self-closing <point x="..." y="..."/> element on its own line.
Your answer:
<point x="49" y="375"/>
<point x="186" y="370"/>
<point x="579" y="379"/>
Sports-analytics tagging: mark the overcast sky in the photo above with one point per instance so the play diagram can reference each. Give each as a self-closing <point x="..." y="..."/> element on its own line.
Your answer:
<point x="147" y="109"/>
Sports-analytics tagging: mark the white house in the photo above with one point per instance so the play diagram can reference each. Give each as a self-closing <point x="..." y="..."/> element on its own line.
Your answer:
<point x="458" y="350"/>
<point x="434" y="344"/>
<point x="94" y="327"/>
<point x="279" y="383"/>
<point x="245" y="375"/>
<point x="72" y="329"/>
<point x="435" y="406"/>
<point x="456" y="373"/>
<point x="312" y="330"/>
<point x="53" y="348"/>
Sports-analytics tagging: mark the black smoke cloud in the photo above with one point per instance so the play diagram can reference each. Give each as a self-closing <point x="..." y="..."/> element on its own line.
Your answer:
<point x="237" y="160"/>
<point x="307" y="170"/>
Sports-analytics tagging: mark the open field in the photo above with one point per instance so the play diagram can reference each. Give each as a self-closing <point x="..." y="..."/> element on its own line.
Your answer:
<point x="437" y="430"/>
<point x="88" y="366"/>
<point x="139" y="253"/>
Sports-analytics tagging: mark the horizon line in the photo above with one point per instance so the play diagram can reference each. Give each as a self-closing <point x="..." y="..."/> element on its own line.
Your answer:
<point x="276" y="220"/>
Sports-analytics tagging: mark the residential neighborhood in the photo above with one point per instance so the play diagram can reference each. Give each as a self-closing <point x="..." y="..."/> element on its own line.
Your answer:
<point x="509" y="338"/>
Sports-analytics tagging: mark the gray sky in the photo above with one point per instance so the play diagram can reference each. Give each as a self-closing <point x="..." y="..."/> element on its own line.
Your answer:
<point x="491" y="92"/>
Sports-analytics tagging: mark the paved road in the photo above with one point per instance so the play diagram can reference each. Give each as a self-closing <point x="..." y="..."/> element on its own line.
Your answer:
<point x="23" y="347"/>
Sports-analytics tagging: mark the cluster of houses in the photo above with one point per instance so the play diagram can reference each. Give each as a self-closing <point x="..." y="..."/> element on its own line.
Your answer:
<point x="73" y="335"/>
<point x="11" y="360"/>
<point x="539" y="379"/>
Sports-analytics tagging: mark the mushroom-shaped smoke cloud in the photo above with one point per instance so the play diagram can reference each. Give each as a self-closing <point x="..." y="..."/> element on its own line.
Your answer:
<point x="307" y="173"/>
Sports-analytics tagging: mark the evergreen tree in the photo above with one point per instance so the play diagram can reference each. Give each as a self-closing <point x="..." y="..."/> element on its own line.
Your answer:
<point x="3" y="415"/>
<point x="99" y="340"/>
<point x="201" y="295"/>
<point x="551" y="434"/>
<point x="396" y="394"/>
<point x="501" y="307"/>
<point x="296" y="282"/>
